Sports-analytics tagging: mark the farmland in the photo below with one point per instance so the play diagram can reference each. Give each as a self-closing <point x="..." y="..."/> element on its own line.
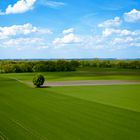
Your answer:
<point x="70" y="113"/>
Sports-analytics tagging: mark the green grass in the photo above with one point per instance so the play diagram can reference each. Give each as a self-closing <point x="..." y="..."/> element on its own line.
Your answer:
<point x="69" y="113"/>
<point x="122" y="96"/>
<point x="83" y="74"/>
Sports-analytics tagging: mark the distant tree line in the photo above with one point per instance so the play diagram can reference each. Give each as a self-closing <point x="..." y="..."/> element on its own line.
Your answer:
<point x="38" y="66"/>
<point x="123" y="64"/>
<point x="64" y="65"/>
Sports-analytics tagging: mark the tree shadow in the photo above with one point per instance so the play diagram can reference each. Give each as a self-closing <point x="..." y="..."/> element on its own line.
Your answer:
<point x="45" y="86"/>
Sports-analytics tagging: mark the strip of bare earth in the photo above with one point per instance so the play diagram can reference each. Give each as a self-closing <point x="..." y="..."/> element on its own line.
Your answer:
<point x="91" y="83"/>
<point x="84" y="82"/>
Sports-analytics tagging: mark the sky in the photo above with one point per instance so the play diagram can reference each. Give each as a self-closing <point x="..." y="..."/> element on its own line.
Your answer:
<point x="59" y="29"/>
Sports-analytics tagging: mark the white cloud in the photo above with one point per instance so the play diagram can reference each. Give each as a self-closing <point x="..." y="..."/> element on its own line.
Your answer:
<point x="116" y="22"/>
<point x="93" y="42"/>
<point x="121" y="32"/>
<point x="24" y="29"/>
<point x="20" y="6"/>
<point x="132" y="16"/>
<point x="67" y="39"/>
<point x="67" y="31"/>
<point x="122" y="40"/>
<point x="52" y="4"/>
<point x="109" y="39"/>
<point x="27" y="35"/>
<point x="112" y="43"/>
<point x="23" y="37"/>
<point x="24" y="43"/>
<point x="125" y="42"/>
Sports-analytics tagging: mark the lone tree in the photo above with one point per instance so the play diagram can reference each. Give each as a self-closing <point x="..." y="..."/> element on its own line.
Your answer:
<point x="38" y="80"/>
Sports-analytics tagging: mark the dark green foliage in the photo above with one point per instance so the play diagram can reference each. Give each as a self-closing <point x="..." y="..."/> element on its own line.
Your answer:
<point x="26" y="67"/>
<point x="123" y="64"/>
<point x="64" y="65"/>
<point x="7" y="68"/>
<point x="38" y="80"/>
<point x="39" y="68"/>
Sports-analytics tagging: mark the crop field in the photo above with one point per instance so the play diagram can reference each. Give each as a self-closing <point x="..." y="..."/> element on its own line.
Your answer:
<point x="69" y="113"/>
<point x="83" y="74"/>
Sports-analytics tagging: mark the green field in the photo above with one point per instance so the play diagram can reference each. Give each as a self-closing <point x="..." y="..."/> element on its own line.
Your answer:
<point x="70" y="113"/>
<point x="83" y="74"/>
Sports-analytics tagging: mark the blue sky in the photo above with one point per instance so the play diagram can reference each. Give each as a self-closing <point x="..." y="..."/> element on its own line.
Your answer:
<point x="69" y="29"/>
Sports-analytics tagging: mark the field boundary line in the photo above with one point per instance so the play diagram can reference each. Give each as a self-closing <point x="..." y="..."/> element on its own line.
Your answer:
<point x="20" y="81"/>
<point x="16" y="79"/>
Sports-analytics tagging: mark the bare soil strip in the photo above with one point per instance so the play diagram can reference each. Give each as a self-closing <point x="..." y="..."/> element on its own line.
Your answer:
<point x="91" y="83"/>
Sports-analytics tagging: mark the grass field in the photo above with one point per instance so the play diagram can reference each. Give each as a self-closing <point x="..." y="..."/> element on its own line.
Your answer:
<point x="83" y="74"/>
<point x="69" y="113"/>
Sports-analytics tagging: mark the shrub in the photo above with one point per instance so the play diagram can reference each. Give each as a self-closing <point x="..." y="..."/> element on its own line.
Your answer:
<point x="38" y="80"/>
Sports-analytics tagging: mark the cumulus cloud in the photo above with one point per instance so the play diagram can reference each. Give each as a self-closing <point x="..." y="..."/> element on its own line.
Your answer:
<point x="67" y="39"/>
<point x="110" y="38"/>
<point x="125" y="42"/>
<point x="24" y="36"/>
<point x="121" y="32"/>
<point x="99" y="42"/>
<point x="67" y="31"/>
<point x="24" y="29"/>
<point x="132" y="16"/>
<point x="121" y="38"/>
<point x="20" y="6"/>
<point x="116" y="22"/>
<point x="25" y="43"/>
